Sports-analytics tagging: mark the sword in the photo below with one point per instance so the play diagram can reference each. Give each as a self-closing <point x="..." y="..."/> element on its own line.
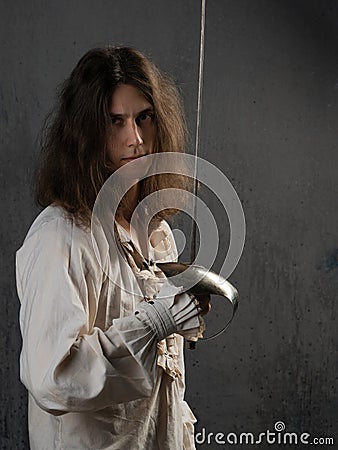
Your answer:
<point x="202" y="280"/>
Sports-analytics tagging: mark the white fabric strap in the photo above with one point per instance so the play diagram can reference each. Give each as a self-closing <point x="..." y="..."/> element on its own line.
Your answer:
<point x="160" y="316"/>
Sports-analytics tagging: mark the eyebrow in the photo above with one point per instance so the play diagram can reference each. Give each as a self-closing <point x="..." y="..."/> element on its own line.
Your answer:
<point x="146" y="110"/>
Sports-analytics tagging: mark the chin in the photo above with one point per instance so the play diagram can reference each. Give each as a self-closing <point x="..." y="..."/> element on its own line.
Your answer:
<point x="135" y="168"/>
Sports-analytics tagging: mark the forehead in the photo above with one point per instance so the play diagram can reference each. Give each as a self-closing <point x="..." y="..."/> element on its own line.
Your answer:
<point x="127" y="99"/>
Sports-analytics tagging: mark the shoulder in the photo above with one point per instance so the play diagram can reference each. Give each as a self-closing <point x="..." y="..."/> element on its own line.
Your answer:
<point x="55" y="243"/>
<point x="52" y="221"/>
<point x="54" y="233"/>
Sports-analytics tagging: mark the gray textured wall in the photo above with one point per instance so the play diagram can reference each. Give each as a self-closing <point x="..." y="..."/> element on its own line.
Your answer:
<point x="269" y="122"/>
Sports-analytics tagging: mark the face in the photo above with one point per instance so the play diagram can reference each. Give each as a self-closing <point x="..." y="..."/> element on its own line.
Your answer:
<point x="133" y="129"/>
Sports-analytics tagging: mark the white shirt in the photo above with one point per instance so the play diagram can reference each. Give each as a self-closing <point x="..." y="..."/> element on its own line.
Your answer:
<point x="96" y="375"/>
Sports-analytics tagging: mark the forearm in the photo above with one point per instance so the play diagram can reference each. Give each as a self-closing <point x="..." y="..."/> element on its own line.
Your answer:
<point x="98" y="369"/>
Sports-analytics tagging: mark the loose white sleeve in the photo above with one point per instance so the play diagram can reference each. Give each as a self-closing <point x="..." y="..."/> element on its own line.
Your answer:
<point x="67" y="363"/>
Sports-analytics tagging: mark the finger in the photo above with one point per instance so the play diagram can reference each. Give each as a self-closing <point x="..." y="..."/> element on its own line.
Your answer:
<point x="204" y="303"/>
<point x="205" y="309"/>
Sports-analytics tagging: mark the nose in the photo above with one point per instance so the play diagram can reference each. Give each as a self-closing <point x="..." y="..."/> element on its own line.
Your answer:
<point x="133" y="135"/>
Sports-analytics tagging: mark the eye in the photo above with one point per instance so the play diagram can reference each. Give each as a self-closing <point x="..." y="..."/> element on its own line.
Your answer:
<point x="116" y="120"/>
<point x="144" y="117"/>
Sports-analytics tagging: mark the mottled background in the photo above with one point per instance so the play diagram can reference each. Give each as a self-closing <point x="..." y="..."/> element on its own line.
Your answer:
<point x="270" y="124"/>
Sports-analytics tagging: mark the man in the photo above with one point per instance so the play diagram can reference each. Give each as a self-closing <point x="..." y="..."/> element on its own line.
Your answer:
<point x="101" y="358"/>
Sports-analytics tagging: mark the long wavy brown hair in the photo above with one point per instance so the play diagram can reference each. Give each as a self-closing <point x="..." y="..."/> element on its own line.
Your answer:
<point x="73" y="162"/>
